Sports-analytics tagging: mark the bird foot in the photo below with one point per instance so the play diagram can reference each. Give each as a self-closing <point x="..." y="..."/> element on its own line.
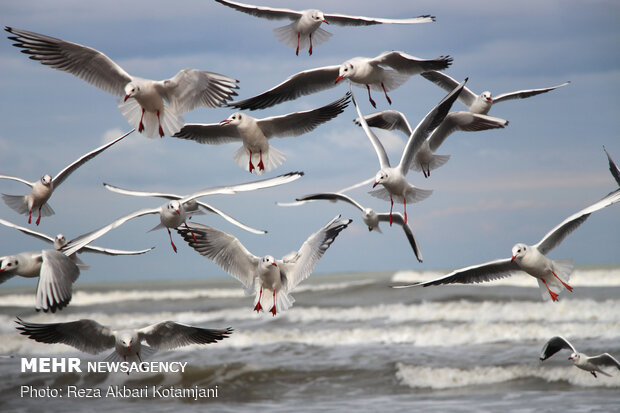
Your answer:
<point x="372" y="102"/>
<point x="140" y="127"/>
<point x="174" y="247"/>
<point x="258" y="307"/>
<point x="273" y="310"/>
<point x="554" y="296"/>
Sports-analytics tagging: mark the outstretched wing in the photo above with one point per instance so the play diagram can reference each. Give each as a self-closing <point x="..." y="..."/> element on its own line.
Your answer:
<point x="384" y="161"/>
<point x="522" y="94"/>
<point x="269" y="13"/>
<point x="14" y="178"/>
<point x="605" y="359"/>
<point x="554" y="345"/>
<point x="398" y="218"/>
<point x="169" y="334"/>
<point x="615" y="172"/>
<point x="27" y="231"/>
<point x="402" y="62"/>
<point x="467" y="97"/>
<point x="389" y="120"/>
<point x="55" y="288"/>
<point x="463" y="121"/>
<point x="209" y="133"/>
<point x="331" y="196"/>
<point x="230" y="219"/>
<point x="85" y="335"/>
<point x="346" y="20"/>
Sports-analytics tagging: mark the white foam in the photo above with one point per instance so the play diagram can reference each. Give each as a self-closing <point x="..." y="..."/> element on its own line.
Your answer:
<point x="450" y="377"/>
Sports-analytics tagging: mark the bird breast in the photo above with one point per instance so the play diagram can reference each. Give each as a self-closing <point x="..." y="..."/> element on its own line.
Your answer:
<point x="270" y="278"/>
<point x="149" y="98"/>
<point x="480" y="106"/>
<point x="253" y="137"/>
<point x="534" y="263"/>
<point x="306" y="24"/>
<point x="40" y="193"/>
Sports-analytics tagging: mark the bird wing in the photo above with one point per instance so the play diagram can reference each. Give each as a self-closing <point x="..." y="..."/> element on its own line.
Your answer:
<point x="492" y="270"/>
<point x="58" y="273"/>
<point x="64" y="174"/>
<point x="14" y="178"/>
<point x="431" y="121"/>
<point x="191" y="88"/>
<point x="224" y="250"/>
<point x="300" y="84"/>
<point x="78" y="243"/>
<point x="296" y="267"/>
<point x="389" y="120"/>
<point x="331" y="196"/>
<point x="398" y="218"/>
<point x="230" y="219"/>
<point x="463" y="121"/>
<point x="522" y="94"/>
<point x="467" y="97"/>
<point x="88" y="64"/>
<point x="27" y="231"/>
<point x="298" y="123"/>
<point x="141" y="193"/>
<point x="615" y="172"/>
<point x="169" y="334"/>
<point x="554" y="345"/>
<point x="110" y="251"/>
<point x="346" y="20"/>
<point x="209" y="133"/>
<point x="604" y="359"/>
<point x="85" y="335"/>
<point x="554" y="237"/>
<point x="402" y="62"/>
<point x="269" y="13"/>
<point x="384" y="161"/>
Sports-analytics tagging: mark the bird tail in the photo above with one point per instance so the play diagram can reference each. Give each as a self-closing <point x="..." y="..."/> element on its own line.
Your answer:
<point x="170" y="121"/>
<point x="284" y="300"/>
<point x="288" y="36"/>
<point x="272" y="158"/>
<point x="436" y="162"/>
<point x="391" y="80"/>
<point x="563" y="269"/>
<point x="413" y="195"/>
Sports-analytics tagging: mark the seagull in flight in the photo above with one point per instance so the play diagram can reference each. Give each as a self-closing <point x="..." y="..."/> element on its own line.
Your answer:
<point x="591" y="364"/>
<point x="613" y="168"/>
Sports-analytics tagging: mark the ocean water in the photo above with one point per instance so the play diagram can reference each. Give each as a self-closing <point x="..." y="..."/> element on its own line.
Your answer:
<point x="350" y="343"/>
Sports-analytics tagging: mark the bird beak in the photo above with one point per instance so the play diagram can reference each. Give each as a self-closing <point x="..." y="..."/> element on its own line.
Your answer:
<point x="225" y="122"/>
<point x="126" y="97"/>
<point x="178" y="211"/>
<point x="375" y="184"/>
<point x="570" y="358"/>
<point x="274" y="264"/>
<point x="128" y="347"/>
<point x="338" y="79"/>
<point x="325" y="21"/>
<point x="513" y="258"/>
<point x="1" y="270"/>
<point x="489" y="100"/>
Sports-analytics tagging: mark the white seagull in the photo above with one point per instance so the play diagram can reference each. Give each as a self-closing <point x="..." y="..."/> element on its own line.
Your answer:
<point x="147" y="112"/>
<point x="255" y="133"/>
<point x="360" y="71"/>
<point x="552" y="275"/>
<point x="592" y="364"/>
<point x="370" y="217"/>
<point x="425" y="158"/>
<point x="42" y="189"/>
<point x="393" y="179"/>
<point x="615" y="172"/>
<point x="305" y="29"/>
<point x="180" y="208"/>
<point x="482" y="103"/>
<point x="128" y="344"/>
<point x="56" y="272"/>
<point x="60" y="241"/>
<point x="256" y="274"/>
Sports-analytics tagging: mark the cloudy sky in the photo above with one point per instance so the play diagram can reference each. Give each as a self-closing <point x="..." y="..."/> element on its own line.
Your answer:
<point x="500" y="187"/>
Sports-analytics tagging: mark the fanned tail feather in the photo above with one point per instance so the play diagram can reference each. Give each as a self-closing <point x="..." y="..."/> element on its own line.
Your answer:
<point x="284" y="300"/>
<point x="436" y="162"/>
<point x="288" y="36"/>
<point x="272" y="158"/>
<point x="170" y="121"/>
<point x="392" y="80"/>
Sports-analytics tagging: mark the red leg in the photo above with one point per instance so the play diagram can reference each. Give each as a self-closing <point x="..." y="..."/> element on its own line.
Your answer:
<point x="391" y="207"/>
<point x="310" y="51"/>
<point x="250" y="167"/>
<point x="297" y="51"/>
<point x="261" y="166"/>
<point x="191" y="232"/>
<point x="568" y="287"/>
<point x="405" y="200"/>
<point x="428" y="171"/>
<point x="174" y="247"/>
<point x="161" y="131"/>
<point x="259" y="307"/>
<point x="39" y="218"/>
<point x="372" y="102"/>
<point x="424" y="171"/>
<point x="273" y="309"/>
<point x="141" y="125"/>
<point x="554" y="296"/>
<point x="30" y="216"/>
<point x="386" y="95"/>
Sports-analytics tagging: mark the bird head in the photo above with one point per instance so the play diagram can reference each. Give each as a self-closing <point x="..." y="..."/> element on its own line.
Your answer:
<point x="486" y="95"/>
<point x="174" y="207"/>
<point x="127" y="340"/>
<point x="318" y="16"/>
<point x="46" y="180"/>
<point x="131" y="90"/>
<point x="268" y="261"/>
<point x="9" y="263"/>
<point x="519" y="251"/>
<point x="60" y="241"/>
<point x="346" y="70"/>
<point x="235" y="119"/>
<point x="381" y="177"/>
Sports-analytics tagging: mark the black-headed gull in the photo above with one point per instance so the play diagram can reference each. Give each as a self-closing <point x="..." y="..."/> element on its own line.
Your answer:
<point x="42" y="189"/>
<point x="360" y="71"/>
<point x="266" y="273"/>
<point x="147" y="112"/>
<point x="370" y="217"/>
<point x="305" y="29"/>
<point x="255" y="133"/>
<point x="393" y="179"/>
<point x="60" y="241"/>
<point x="613" y="168"/>
<point x="425" y="158"/>
<point x="56" y="272"/>
<point x="592" y="364"/>
<point x="180" y="208"/>
<point x="552" y="275"/>
<point x="482" y="103"/>
<point x="129" y="344"/>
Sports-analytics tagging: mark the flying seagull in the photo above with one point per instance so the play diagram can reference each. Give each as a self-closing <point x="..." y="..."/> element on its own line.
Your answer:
<point x="584" y="362"/>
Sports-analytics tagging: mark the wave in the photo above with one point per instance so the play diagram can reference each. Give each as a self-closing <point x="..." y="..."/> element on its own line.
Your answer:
<point x="581" y="277"/>
<point x="440" y="378"/>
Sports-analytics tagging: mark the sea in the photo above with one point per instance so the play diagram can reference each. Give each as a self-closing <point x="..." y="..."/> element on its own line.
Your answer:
<point x="350" y="343"/>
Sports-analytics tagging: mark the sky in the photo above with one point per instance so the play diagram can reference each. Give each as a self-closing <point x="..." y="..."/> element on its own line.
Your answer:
<point x="500" y="187"/>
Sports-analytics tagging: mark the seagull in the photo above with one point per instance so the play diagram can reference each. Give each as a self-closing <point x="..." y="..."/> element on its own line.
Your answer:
<point x="128" y="344"/>
<point x="256" y="274"/>
<point x="143" y="99"/>
<point x="393" y="180"/>
<point x="552" y="275"/>
<point x="360" y="71"/>
<point x="42" y="189"/>
<point x="56" y="272"/>
<point x="483" y="102"/>
<point x="60" y="241"/>
<point x="370" y="217"/>
<point x="180" y="208"/>
<point x="591" y="364"/>
<point x="615" y="172"/>
<point x="255" y="133"/>
<point x="305" y="28"/>
<point x="425" y="158"/>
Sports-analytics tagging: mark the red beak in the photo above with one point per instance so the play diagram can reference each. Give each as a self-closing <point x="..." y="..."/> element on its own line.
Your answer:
<point x="375" y="184"/>
<point x="126" y="97"/>
<point x="513" y="258"/>
<point x="225" y="122"/>
<point x="338" y="79"/>
<point x="1" y="270"/>
<point x="274" y="264"/>
<point x="178" y="212"/>
<point x="489" y="100"/>
<point x="325" y="21"/>
<point x="128" y="347"/>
